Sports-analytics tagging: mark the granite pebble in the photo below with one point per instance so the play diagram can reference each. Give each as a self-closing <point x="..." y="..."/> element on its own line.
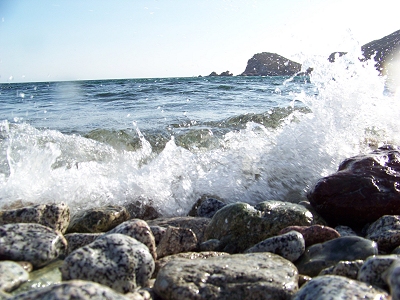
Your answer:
<point x="314" y="234"/>
<point x="373" y="268"/>
<point x="115" y="260"/>
<point x="386" y="232"/>
<point x="11" y="275"/>
<point x="176" y="240"/>
<point x="347" y="269"/>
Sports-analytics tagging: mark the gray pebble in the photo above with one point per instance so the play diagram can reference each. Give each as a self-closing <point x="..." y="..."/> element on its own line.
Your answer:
<point x="372" y="269"/>
<point x="347" y="269"/>
<point x="386" y="232"/>
<point x="11" y="275"/>
<point x="176" y="240"/>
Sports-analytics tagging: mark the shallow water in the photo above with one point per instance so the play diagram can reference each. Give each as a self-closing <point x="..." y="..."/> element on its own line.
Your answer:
<point x="172" y="140"/>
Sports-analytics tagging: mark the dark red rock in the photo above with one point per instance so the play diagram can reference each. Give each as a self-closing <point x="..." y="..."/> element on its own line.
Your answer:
<point x="365" y="188"/>
<point x="314" y="234"/>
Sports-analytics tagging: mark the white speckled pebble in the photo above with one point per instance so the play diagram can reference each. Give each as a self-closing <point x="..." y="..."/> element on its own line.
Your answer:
<point x="115" y="260"/>
<point x="30" y="242"/>
<point x="372" y="269"/>
<point x="139" y="230"/>
<point x="347" y="269"/>
<point x="290" y="245"/>
<point x="392" y="278"/>
<point x="74" y="289"/>
<point x="12" y="275"/>
<point x="334" y="287"/>
<point x="385" y="232"/>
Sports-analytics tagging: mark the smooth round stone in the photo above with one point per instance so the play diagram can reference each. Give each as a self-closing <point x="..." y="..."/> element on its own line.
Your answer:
<point x="139" y="230"/>
<point x="373" y="268"/>
<point x="338" y="287"/>
<point x="385" y="232"/>
<point x="78" y="240"/>
<point x="31" y="242"/>
<point x="289" y="245"/>
<point x="238" y="276"/>
<point x="115" y="260"/>
<point x="324" y="255"/>
<point x="11" y="275"/>
<point x="240" y="226"/>
<point x="74" y="289"/>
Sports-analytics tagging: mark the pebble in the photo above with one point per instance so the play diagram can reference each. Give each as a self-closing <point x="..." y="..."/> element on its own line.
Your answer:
<point x="158" y="233"/>
<point x="324" y="255"/>
<point x="78" y="240"/>
<point x="338" y="287"/>
<point x="386" y="232"/>
<point x="176" y="240"/>
<point x="392" y="279"/>
<point x="288" y="245"/>
<point x="372" y="269"/>
<point x="239" y="276"/>
<point x="345" y="230"/>
<point x="188" y="255"/>
<point x="210" y="245"/>
<point x="240" y="226"/>
<point x="209" y="207"/>
<point x="347" y="269"/>
<point x="314" y="234"/>
<point x="115" y="260"/>
<point x="139" y="230"/>
<point x="54" y="216"/>
<point x="31" y="242"/>
<point x="74" y="289"/>
<point x="11" y="275"/>
<point x="197" y="225"/>
<point x="97" y="220"/>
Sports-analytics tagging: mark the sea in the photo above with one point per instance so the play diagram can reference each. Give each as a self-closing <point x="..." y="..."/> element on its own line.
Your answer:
<point x="169" y="141"/>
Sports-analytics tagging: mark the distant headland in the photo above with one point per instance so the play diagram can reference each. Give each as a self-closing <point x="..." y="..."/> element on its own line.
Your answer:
<point x="383" y="50"/>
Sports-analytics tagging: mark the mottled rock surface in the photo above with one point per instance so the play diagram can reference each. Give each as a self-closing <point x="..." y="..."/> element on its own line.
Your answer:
<point x="188" y="255"/>
<point x="11" y="275"/>
<point x="176" y="240"/>
<point x="392" y="279"/>
<point x="345" y="230"/>
<point x="338" y="287"/>
<point x="30" y="242"/>
<point x="143" y="209"/>
<point x="373" y="268"/>
<point x="74" y="289"/>
<point x="99" y="219"/>
<point x="239" y="276"/>
<point x="289" y="245"/>
<point x="78" y="240"/>
<point x="139" y="230"/>
<point x="197" y="225"/>
<point x="347" y="269"/>
<point x="54" y="216"/>
<point x="115" y="260"/>
<point x="321" y="256"/>
<point x="314" y="234"/>
<point x="385" y="232"/>
<point x="239" y="226"/>
<point x="365" y="188"/>
<point x="209" y="207"/>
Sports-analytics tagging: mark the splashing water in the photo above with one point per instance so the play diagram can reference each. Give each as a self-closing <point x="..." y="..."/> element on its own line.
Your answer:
<point x="351" y="113"/>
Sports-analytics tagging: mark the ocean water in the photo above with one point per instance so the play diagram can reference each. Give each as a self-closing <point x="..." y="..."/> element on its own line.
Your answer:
<point x="170" y="141"/>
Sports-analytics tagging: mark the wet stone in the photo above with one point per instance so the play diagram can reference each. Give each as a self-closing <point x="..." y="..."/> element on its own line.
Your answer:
<point x="139" y="230"/>
<point x="338" y="287"/>
<point x="158" y="233"/>
<point x="209" y="207"/>
<point x="347" y="269"/>
<point x="324" y="255"/>
<point x="74" y="289"/>
<point x="30" y="242"/>
<point x="97" y="220"/>
<point x="11" y="275"/>
<point x="78" y="240"/>
<point x="385" y="232"/>
<point x="314" y="234"/>
<point x="392" y="279"/>
<point x="239" y="226"/>
<point x="289" y="245"/>
<point x="143" y="209"/>
<point x="188" y="255"/>
<point x="197" y="225"/>
<point x="176" y="240"/>
<point x="115" y="260"/>
<point x="238" y="276"/>
<point x="345" y="231"/>
<point x="373" y="268"/>
<point x="54" y="216"/>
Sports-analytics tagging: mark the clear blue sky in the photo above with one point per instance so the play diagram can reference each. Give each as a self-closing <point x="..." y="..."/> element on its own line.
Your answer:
<point x="43" y="40"/>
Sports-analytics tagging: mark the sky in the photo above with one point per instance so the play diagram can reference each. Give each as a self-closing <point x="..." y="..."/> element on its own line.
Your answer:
<point x="56" y="40"/>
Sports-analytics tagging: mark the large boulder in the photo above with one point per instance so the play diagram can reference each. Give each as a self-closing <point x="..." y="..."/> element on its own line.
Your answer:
<point x="240" y="226"/>
<point x="238" y="276"/>
<point x="365" y="188"/>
